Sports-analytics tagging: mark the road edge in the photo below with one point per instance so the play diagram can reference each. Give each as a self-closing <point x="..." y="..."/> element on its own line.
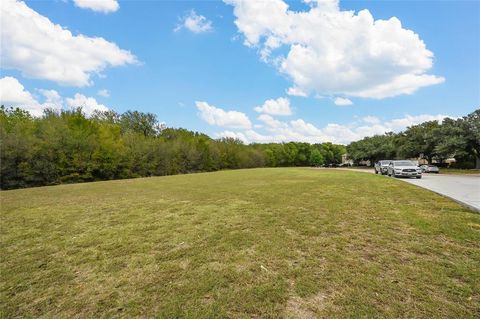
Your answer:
<point x="464" y="204"/>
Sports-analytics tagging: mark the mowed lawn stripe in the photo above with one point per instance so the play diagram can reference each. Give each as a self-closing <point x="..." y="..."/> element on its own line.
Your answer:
<point x="280" y="242"/>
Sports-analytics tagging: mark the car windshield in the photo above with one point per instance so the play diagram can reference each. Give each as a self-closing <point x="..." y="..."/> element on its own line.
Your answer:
<point x="404" y="163"/>
<point x="384" y="162"/>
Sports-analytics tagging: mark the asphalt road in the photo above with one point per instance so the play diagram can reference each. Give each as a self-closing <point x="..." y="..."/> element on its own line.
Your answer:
<point x="464" y="189"/>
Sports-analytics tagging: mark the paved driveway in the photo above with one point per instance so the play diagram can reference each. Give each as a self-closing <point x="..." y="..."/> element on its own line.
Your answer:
<point x="464" y="189"/>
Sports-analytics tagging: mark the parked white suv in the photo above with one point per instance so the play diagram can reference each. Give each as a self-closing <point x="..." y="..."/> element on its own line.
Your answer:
<point x="404" y="169"/>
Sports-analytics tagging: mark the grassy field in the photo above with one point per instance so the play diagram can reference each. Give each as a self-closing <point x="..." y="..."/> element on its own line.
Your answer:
<point x="270" y="243"/>
<point x="360" y="167"/>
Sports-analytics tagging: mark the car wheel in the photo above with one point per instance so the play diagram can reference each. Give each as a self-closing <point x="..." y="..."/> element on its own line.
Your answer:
<point x="418" y="177"/>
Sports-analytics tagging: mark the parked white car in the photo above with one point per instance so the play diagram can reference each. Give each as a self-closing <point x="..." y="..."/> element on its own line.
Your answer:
<point x="404" y="169"/>
<point x="381" y="167"/>
<point x="430" y="169"/>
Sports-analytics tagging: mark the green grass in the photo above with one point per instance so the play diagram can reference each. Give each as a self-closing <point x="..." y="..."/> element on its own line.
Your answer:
<point x="270" y="243"/>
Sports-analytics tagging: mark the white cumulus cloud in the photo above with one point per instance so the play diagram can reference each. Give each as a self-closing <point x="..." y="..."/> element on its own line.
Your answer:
<point x="249" y="136"/>
<point x="280" y="106"/>
<point x="104" y="93"/>
<point x="295" y="91"/>
<point x="371" y="119"/>
<point x="88" y="104"/>
<point x="195" y="23"/>
<point x="40" y="49"/>
<point x="14" y="94"/>
<point x="409" y="120"/>
<point x="217" y="116"/>
<point x="297" y="130"/>
<point x="105" y="6"/>
<point x="342" y="101"/>
<point x="336" y="52"/>
<point x="271" y="122"/>
<point x="53" y="99"/>
<point x="302" y="131"/>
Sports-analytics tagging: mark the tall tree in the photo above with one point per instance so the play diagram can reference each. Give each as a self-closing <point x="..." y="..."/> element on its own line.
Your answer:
<point x="316" y="158"/>
<point x="373" y="148"/>
<point x="452" y="140"/>
<point x="472" y="128"/>
<point x="145" y="123"/>
<point x="419" y="141"/>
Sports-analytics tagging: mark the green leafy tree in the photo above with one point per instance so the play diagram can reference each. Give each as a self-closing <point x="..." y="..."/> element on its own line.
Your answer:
<point x="472" y="130"/>
<point x="373" y="148"/>
<point x="67" y="146"/>
<point x="452" y="139"/>
<point x="316" y="158"/>
<point x="17" y="143"/>
<point x="144" y="123"/>
<point x="419" y="141"/>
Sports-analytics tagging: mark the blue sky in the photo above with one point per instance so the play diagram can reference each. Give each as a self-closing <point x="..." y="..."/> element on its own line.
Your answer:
<point x="191" y="65"/>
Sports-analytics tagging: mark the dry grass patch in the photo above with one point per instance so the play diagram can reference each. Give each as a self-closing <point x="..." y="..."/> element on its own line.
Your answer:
<point x="261" y="243"/>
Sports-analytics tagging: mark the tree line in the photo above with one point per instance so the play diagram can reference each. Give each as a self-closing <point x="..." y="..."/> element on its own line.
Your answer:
<point x="67" y="146"/>
<point x="452" y="138"/>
